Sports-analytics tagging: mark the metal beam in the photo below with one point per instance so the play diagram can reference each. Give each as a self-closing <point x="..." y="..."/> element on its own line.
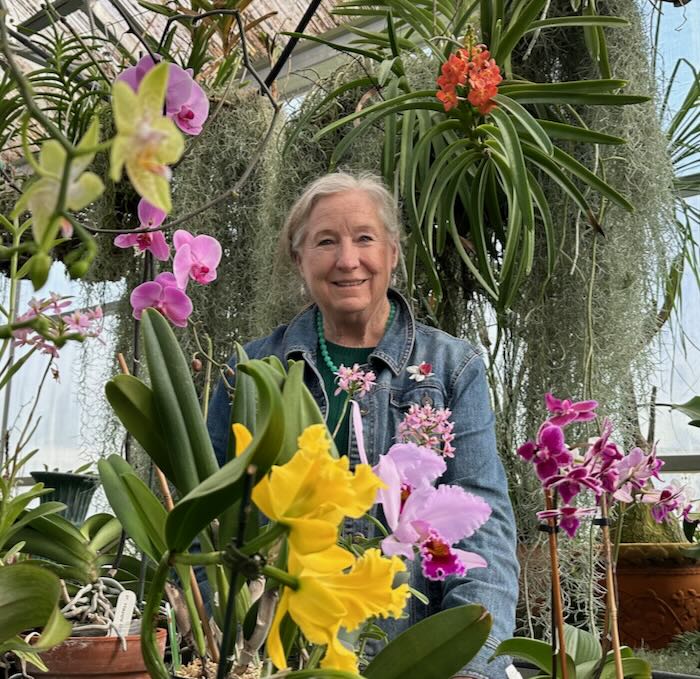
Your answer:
<point x="41" y="19"/>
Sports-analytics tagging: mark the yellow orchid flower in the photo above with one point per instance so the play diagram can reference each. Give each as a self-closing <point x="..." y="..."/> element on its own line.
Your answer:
<point x="41" y="197"/>
<point x="330" y="597"/>
<point x="146" y="141"/>
<point x="313" y="492"/>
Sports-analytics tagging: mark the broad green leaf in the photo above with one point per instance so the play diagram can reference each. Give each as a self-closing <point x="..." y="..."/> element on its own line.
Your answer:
<point x="435" y="648"/>
<point x="581" y="645"/>
<point x="29" y="596"/>
<point x="223" y="488"/>
<point x="690" y="408"/>
<point x="537" y="652"/>
<point x="189" y="447"/>
<point x="633" y="668"/>
<point x="54" y="631"/>
<point x="133" y="403"/>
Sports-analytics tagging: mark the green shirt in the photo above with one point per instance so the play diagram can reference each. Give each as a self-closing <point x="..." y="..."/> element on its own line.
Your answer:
<point x="347" y="356"/>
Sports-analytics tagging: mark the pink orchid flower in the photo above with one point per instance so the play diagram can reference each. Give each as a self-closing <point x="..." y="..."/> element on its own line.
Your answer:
<point x="185" y="101"/>
<point x="569" y="517"/>
<point x="665" y="501"/>
<point x="433" y="520"/>
<point x="405" y="468"/>
<point x="196" y="257"/>
<point x="549" y="453"/>
<point x="356" y="382"/>
<point x="566" y="411"/>
<point x="164" y="295"/>
<point x="150" y="217"/>
<point x="428" y="427"/>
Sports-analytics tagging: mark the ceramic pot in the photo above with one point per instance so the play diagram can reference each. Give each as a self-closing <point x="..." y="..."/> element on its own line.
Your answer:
<point x="659" y="593"/>
<point x="74" y="490"/>
<point x="103" y="657"/>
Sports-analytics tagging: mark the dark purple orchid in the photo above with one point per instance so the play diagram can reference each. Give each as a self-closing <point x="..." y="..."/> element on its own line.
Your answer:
<point x="549" y="453"/>
<point x="566" y="411"/>
<point x="185" y="101"/>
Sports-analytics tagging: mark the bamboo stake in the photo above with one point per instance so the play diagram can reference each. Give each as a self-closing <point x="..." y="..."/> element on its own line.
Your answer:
<point x="169" y="505"/>
<point x="556" y="584"/>
<point x="611" y="608"/>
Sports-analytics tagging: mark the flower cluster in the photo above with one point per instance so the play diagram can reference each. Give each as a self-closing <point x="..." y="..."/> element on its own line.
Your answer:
<point x="425" y="519"/>
<point x="311" y="495"/>
<point x="428" y="427"/>
<point x="57" y="326"/>
<point x="196" y="258"/>
<point x="470" y="70"/>
<point x="603" y="469"/>
<point x="354" y="381"/>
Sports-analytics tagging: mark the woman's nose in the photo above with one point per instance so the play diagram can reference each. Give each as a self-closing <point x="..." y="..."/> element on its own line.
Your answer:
<point x="348" y="256"/>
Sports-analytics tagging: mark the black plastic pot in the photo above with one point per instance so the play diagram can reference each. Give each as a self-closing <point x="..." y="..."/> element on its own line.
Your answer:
<point x="529" y="670"/>
<point x="74" y="490"/>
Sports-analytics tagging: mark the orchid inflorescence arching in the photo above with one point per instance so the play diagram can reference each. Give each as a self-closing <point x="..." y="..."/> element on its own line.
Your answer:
<point x="602" y="470"/>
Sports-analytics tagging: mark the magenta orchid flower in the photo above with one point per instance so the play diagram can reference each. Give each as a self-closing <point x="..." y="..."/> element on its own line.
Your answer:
<point x="549" y="453"/>
<point x="150" y="217"/>
<point x="571" y="483"/>
<point x="433" y="520"/>
<point x="405" y="468"/>
<point x="569" y="517"/>
<point x="196" y="257"/>
<point x="566" y="411"/>
<point x="185" y="101"/>
<point x="665" y="501"/>
<point x="164" y="295"/>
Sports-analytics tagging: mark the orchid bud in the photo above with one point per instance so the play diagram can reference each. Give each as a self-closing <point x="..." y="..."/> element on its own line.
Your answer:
<point x="79" y="269"/>
<point x="39" y="269"/>
<point x="196" y="365"/>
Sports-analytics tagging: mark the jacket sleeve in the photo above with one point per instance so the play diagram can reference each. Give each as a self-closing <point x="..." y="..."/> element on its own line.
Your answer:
<point x="220" y="415"/>
<point x="477" y="467"/>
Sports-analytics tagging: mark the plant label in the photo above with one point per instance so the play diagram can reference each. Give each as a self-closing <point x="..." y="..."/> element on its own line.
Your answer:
<point x="123" y="612"/>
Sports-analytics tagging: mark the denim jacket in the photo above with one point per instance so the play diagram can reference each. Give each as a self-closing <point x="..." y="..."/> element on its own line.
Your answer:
<point x="459" y="384"/>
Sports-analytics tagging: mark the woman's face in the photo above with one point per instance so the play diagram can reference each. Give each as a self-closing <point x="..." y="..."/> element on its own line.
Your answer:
<point x="346" y="257"/>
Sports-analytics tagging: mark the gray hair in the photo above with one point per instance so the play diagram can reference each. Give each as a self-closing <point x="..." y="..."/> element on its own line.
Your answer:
<point x="293" y="231"/>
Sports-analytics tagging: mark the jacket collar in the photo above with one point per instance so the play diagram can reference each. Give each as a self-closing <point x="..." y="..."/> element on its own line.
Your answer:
<point x="394" y="349"/>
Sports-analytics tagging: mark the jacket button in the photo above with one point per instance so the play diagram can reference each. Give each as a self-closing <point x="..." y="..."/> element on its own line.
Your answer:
<point x="364" y="411"/>
<point x="427" y="401"/>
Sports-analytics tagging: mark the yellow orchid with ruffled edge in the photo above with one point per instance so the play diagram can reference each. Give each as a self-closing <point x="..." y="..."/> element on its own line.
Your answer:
<point x="41" y="197"/>
<point x="313" y="492"/>
<point x="146" y="141"/>
<point x="329" y="596"/>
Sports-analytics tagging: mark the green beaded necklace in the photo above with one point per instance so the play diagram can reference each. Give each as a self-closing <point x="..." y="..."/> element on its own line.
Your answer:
<point x="322" y="338"/>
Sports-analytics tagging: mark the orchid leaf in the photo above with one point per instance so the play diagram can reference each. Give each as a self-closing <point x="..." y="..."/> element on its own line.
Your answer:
<point x="690" y="408"/>
<point x="537" y="652"/>
<point x="434" y="648"/>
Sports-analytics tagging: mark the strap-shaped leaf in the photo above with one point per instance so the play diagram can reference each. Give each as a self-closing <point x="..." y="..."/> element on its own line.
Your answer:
<point x="516" y="29"/>
<point x="435" y="648"/>
<point x="223" y="488"/>
<point x="522" y="117"/>
<point x="598" y="86"/>
<point x="244" y="402"/>
<point x="133" y="403"/>
<point x="555" y="130"/>
<point x="559" y="22"/>
<point x="190" y="450"/>
<point x="538" y="96"/>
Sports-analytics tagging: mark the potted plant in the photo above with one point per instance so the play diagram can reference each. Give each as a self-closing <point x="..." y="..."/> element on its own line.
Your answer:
<point x="73" y="488"/>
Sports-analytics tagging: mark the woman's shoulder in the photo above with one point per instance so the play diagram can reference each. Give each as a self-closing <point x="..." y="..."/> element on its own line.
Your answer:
<point x="433" y="339"/>
<point x="268" y="345"/>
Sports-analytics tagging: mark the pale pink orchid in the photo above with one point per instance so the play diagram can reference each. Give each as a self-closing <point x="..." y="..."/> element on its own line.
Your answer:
<point x="428" y="427"/>
<point x="150" y="217"/>
<point x="432" y="521"/>
<point x="405" y="468"/>
<point x="196" y="257"/>
<point x="566" y="411"/>
<point x="354" y="381"/>
<point x="665" y="501"/>
<point x="185" y="101"/>
<point x="164" y="295"/>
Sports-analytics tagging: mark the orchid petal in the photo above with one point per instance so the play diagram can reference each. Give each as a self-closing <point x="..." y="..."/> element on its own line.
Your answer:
<point x="182" y="263"/>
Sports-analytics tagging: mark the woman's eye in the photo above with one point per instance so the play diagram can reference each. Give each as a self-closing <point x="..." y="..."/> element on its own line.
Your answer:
<point x="366" y="238"/>
<point x="325" y="242"/>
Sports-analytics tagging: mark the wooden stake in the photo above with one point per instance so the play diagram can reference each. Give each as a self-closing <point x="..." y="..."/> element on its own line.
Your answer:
<point x="556" y="584"/>
<point x="169" y="504"/>
<point x="611" y="609"/>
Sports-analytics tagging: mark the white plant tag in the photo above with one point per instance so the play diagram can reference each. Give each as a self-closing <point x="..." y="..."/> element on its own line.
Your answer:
<point x="512" y="673"/>
<point x="123" y="612"/>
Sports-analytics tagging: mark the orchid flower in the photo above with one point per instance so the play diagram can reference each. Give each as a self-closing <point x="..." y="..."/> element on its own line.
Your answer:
<point x="428" y="427"/>
<point x="569" y="517"/>
<point x="41" y="197"/>
<point x="566" y="411"/>
<point x="572" y="482"/>
<point x="164" y="295"/>
<point x="185" y="101"/>
<point x="146" y="142"/>
<point x="150" y="217"/>
<point x="196" y="257"/>
<point x="549" y="453"/>
<point x="432" y="521"/>
<point x="354" y="381"/>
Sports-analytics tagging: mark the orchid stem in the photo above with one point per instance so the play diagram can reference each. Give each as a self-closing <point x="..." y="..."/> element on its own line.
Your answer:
<point x="556" y="585"/>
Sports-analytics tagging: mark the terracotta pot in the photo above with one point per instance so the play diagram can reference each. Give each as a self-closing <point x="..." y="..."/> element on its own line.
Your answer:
<point x="659" y="593"/>
<point x="103" y="657"/>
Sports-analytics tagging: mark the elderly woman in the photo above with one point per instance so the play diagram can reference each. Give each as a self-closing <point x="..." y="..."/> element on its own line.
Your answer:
<point x="343" y="235"/>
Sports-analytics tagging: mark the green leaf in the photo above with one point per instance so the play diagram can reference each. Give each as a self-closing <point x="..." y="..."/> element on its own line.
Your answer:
<point x="133" y="403"/>
<point x="524" y="119"/>
<point x="580" y="134"/>
<point x="435" y="648"/>
<point x="29" y="596"/>
<point x="189" y="447"/>
<point x="244" y="402"/>
<point x="690" y="408"/>
<point x="597" y="86"/>
<point x="516" y="29"/>
<point x="559" y="22"/>
<point x="320" y="674"/>
<point x="581" y="645"/>
<point x="223" y="488"/>
<point x="633" y="668"/>
<point x="537" y="652"/>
